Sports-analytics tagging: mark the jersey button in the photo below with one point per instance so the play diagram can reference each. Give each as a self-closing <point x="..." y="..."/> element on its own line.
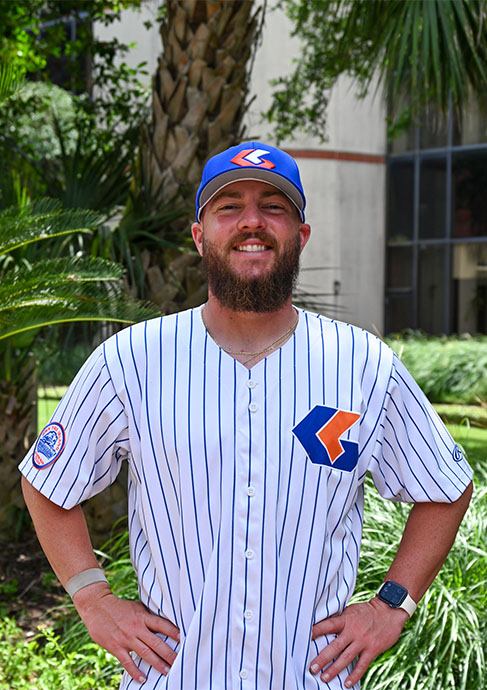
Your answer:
<point x="253" y="407"/>
<point x="250" y="491"/>
<point x="243" y="674"/>
<point x="251" y="384"/>
<point x="249" y="554"/>
<point x="248" y="614"/>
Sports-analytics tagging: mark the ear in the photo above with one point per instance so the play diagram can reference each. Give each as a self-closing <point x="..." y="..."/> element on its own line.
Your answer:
<point x="197" y="232"/>
<point x="304" y="233"/>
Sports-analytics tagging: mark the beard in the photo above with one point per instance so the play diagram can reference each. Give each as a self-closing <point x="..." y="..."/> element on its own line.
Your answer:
<point x="262" y="294"/>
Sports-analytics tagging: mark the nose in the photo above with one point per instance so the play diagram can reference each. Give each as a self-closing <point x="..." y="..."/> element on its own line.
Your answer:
<point x="251" y="217"/>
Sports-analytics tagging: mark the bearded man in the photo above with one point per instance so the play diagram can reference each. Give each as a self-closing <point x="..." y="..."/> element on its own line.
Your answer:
<point x="248" y="426"/>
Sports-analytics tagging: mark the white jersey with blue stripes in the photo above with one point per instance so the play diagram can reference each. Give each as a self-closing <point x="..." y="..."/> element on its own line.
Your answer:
<point x="245" y="486"/>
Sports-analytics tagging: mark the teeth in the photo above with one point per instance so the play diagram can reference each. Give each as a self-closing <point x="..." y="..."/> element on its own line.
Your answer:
<point x="251" y="248"/>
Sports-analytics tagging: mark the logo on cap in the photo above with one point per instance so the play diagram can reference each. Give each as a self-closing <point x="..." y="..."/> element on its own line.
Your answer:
<point x="252" y="157"/>
<point x="49" y="445"/>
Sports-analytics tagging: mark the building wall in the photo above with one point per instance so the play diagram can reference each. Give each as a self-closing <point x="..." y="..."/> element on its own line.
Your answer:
<point x="344" y="177"/>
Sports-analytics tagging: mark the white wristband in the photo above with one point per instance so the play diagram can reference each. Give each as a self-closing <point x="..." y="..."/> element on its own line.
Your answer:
<point x="83" y="579"/>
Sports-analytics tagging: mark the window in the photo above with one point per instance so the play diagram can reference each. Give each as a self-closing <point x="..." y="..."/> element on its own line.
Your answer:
<point x="436" y="265"/>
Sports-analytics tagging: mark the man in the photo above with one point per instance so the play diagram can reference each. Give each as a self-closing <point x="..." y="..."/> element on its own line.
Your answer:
<point x="248" y="426"/>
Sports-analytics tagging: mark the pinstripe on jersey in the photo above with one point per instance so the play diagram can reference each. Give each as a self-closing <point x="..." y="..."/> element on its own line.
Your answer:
<point x="236" y="535"/>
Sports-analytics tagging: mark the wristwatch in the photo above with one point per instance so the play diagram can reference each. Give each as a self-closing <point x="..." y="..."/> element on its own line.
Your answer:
<point x="397" y="597"/>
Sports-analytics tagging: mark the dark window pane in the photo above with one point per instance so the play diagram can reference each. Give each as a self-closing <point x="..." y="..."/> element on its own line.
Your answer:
<point x="431" y="290"/>
<point x="469" y="204"/>
<point x="432" y="198"/>
<point x="469" y="273"/>
<point x="401" y="200"/>
<point x="399" y="312"/>
<point x="399" y="267"/>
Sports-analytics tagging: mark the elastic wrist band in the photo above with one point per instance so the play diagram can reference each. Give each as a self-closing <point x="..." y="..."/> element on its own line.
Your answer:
<point x="83" y="579"/>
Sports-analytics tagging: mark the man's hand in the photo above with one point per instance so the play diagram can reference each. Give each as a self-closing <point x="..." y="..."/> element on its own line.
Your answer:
<point x="122" y="626"/>
<point x="364" y="630"/>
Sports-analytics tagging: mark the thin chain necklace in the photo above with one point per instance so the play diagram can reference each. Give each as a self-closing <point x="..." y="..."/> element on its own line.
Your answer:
<point x="251" y="355"/>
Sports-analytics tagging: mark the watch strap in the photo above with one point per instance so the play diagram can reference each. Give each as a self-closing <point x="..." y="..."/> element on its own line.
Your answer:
<point x="409" y="605"/>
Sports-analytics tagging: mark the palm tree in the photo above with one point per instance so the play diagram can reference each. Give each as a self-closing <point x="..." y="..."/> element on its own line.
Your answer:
<point x="199" y="98"/>
<point x="424" y="53"/>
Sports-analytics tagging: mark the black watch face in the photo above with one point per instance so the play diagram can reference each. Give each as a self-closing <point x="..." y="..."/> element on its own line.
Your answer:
<point x="393" y="594"/>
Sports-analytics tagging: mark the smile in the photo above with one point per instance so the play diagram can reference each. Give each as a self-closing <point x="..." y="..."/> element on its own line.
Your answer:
<point x="251" y="248"/>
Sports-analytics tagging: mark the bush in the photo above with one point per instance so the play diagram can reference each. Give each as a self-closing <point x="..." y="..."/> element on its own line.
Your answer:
<point x="448" y="369"/>
<point x="43" y="663"/>
<point x="443" y="645"/>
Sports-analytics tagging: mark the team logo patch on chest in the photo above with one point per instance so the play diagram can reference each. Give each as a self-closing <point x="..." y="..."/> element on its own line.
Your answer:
<point x="320" y="435"/>
<point x="49" y="445"/>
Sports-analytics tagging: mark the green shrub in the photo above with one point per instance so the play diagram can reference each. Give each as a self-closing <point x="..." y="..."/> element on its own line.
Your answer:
<point x="44" y="664"/>
<point x="444" y="643"/>
<point x="452" y="369"/>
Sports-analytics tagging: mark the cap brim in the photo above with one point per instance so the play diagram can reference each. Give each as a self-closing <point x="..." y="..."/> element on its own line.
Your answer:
<point x="262" y="175"/>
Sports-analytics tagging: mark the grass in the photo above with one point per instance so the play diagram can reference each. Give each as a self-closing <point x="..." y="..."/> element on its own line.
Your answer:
<point x="47" y="401"/>
<point x="474" y="444"/>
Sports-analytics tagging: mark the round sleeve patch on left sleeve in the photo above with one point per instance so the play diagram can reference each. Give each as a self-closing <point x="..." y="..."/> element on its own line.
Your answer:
<point x="49" y="445"/>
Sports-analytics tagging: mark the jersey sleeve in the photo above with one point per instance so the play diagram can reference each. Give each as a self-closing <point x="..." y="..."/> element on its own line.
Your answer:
<point x="415" y="459"/>
<point x="80" y="451"/>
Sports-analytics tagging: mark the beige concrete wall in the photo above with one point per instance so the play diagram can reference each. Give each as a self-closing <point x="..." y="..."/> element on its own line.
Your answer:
<point x="346" y="199"/>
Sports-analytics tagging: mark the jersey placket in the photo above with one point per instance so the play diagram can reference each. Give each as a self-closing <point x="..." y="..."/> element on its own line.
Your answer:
<point x="248" y="520"/>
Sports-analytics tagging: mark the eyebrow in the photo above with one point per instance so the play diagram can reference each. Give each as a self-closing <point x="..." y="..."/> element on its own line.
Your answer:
<point x="238" y="195"/>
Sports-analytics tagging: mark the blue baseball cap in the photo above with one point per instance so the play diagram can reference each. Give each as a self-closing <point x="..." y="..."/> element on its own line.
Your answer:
<point x="251" y="160"/>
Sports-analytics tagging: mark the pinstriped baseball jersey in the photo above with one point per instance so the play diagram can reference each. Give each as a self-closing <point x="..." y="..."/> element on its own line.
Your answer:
<point x="246" y="486"/>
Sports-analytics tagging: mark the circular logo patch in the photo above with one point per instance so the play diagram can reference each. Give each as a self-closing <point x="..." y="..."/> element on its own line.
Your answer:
<point x="49" y="445"/>
<point x="457" y="454"/>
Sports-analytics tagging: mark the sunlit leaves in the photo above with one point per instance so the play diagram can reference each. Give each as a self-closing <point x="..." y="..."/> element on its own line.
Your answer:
<point x="424" y="52"/>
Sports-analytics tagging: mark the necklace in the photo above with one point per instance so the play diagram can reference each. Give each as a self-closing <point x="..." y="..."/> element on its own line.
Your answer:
<point x="251" y="355"/>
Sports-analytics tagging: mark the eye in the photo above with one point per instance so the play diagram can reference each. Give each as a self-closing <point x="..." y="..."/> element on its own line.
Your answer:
<point x="275" y="206"/>
<point x="227" y="206"/>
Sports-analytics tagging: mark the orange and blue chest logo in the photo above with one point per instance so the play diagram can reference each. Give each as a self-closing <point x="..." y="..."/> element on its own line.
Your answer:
<point x="320" y="433"/>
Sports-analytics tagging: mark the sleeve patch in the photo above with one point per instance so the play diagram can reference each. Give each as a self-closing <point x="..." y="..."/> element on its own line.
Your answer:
<point x="49" y="445"/>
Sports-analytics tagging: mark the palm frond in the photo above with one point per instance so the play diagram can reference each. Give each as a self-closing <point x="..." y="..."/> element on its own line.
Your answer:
<point x="53" y="277"/>
<point x="92" y="177"/>
<point x="58" y="290"/>
<point x="41" y="220"/>
<point x="84" y="305"/>
<point x="10" y="81"/>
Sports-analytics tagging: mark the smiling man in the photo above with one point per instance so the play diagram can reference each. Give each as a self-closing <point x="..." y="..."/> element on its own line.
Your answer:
<point x="248" y="426"/>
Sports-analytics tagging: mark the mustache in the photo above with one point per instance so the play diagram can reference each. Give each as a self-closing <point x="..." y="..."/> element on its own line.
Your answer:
<point x="256" y="235"/>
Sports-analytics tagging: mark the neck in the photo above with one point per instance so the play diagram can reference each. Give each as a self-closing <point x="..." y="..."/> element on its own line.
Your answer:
<point x="248" y="332"/>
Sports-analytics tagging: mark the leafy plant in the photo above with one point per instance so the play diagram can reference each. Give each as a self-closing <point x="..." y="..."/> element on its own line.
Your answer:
<point x="422" y="53"/>
<point x="58" y="290"/>
<point x="43" y="663"/>
<point x="443" y="645"/>
<point x="452" y="369"/>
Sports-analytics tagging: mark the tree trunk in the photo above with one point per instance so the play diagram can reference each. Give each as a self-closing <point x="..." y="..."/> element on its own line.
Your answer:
<point x="199" y="98"/>
<point x="18" y="430"/>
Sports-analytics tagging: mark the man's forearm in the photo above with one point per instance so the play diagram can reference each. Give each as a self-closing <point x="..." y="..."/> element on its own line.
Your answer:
<point x="119" y="626"/>
<point x="428" y="537"/>
<point x="367" y="629"/>
<point x="63" y="534"/>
